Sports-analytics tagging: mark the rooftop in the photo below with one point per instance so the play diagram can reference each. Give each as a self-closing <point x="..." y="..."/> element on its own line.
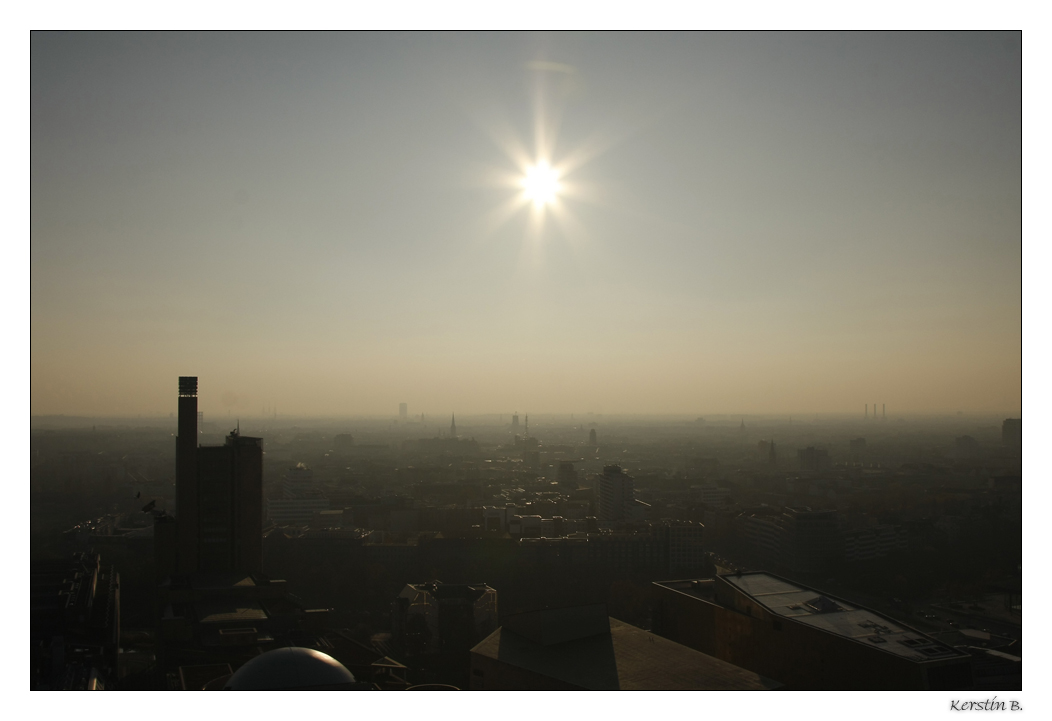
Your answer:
<point x="834" y="615"/>
<point x="608" y="654"/>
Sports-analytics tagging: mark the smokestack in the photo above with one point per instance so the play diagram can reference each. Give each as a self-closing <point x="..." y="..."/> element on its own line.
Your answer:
<point x="186" y="474"/>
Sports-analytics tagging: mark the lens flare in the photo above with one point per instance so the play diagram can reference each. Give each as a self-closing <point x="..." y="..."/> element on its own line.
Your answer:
<point x="541" y="184"/>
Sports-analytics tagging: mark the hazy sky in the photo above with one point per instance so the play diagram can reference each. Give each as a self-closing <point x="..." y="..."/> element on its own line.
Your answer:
<point x="749" y="223"/>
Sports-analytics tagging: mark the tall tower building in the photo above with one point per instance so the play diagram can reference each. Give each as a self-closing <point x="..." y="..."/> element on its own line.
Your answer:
<point x="515" y="421"/>
<point x="453" y="426"/>
<point x="219" y="497"/>
<point x="186" y="475"/>
<point x="403" y="412"/>
<point x="616" y="494"/>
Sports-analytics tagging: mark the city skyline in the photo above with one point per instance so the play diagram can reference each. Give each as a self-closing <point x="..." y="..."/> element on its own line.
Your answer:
<point x="675" y="223"/>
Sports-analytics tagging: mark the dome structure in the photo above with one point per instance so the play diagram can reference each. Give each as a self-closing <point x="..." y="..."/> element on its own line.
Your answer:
<point x="290" y="668"/>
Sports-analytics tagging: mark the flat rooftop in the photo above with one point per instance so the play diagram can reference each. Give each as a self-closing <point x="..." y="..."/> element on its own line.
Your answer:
<point x="835" y="615"/>
<point x="627" y="658"/>
<point x="220" y="610"/>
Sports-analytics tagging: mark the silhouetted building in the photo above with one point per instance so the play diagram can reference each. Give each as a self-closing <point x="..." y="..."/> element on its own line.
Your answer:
<point x="798" y="538"/>
<point x="219" y="497"/>
<point x="514" y="422"/>
<point x="215" y="605"/>
<point x="567" y="476"/>
<point x="435" y="624"/>
<point x="75" y="624"/>
<point x="813" y="540"/>
<point x="403" y="412"/>
<point x="813" y="459"/>
<point x="582" y="648"/>
<point x="865" y="544"/>
<point x="453" y="426"/>
<point x="616" y="495"/>
<point x="804" y="638"/>
<point x="857" y="446"/>
<point x="1012" y="431"/>
<point x="592" y="439"/>
<point x="301" y="500"/>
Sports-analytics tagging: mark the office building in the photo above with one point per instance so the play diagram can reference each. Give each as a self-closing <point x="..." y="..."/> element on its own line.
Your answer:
<point x="301" y="500"/>
<point x="403" y="412"/>
<point x="813" y="459"/>
<point x="219" y="497"/>
<point x="215" y="605"/>
<point x="566" y="476"/>
<point x="616" y="495"/>
<point x="806" y="639"/>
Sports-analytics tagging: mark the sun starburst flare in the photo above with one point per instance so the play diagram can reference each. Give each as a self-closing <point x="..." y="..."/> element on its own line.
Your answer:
<point x="541" y="184"/>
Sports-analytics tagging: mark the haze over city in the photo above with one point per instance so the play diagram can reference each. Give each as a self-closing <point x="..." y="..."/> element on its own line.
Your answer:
<point x="679" y="223"/>
<point x="528" y="362"/>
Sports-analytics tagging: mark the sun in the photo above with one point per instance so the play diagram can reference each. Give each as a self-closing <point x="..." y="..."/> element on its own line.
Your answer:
<point x="541" y="184"/>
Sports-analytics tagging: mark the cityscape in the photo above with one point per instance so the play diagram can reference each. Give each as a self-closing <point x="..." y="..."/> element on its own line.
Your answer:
<point x="527" y="362"/>
<point x="750" y="551"/>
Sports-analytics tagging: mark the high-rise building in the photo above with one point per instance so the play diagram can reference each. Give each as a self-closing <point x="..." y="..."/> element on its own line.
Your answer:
<point x="515" y="421"/>
<point x="219" y="497"/>
<point x="616" y="495"/>
<point x="453" y="426"/>
<point x="1012" y="431"/>
<point x="593" y="440"/>
<point x="403" y="412"/>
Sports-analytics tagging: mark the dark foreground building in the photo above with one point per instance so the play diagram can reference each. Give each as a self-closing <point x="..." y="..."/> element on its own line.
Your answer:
<point x="217" y="609"/>
<point x="75" y="624"/>
<point x="436" y="624"/>
<point x="581" y="648"/>
<point x="802" y="637"/>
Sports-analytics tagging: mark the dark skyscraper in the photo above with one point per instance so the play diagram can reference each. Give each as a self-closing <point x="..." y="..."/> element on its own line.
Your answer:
<point x="453" y="426"/>
<point x="219" y="497"/>
<point x="186" y="475"/>
<point x="616" y="494"/>
<point x="403" y="412"/>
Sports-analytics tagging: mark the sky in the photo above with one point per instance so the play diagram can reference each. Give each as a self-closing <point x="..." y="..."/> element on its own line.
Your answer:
<point x="331" y="224"/>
